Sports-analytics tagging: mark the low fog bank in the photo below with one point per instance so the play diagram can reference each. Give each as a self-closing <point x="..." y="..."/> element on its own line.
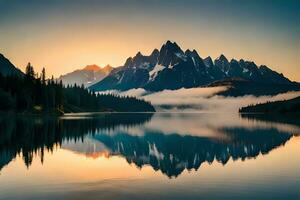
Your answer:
<point x="200" y="99"/>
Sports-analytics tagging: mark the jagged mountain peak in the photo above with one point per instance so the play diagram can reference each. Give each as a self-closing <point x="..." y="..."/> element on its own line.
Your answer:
<point x="188" y="51"/>
<point x="155" y="52"/>
<point x="222" y="63"/>
<point x="208" y="58"/>
<point x="170" y="54"/>
<point x="194" y="53"/>
<point x="234" y="61"/>
<point x="250" y="62"/>
<point x="169" y="42"/>
<point x="222" y="58"/>
<point x="171" y="47"/>
<point x="87" y="76"/>
<point x="107" y="67"/>
<point x="92" y="68"/>
<point x="142" y="61"/>
<point x="128" y="62"/>
<point x="264" y="67"/>
<point x="208" y="61"/>
<point x="139" y="54"/>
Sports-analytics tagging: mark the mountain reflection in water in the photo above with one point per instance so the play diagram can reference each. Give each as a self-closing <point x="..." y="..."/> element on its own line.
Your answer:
<point x="143" y="139"/>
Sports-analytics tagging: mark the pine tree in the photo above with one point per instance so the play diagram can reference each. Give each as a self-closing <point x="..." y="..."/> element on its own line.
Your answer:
<point x="30" y="71"/>
<point x="43" y="76"/>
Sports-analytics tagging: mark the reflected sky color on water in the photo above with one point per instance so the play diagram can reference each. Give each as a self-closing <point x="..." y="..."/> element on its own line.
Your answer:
<point x="150" y="156"/>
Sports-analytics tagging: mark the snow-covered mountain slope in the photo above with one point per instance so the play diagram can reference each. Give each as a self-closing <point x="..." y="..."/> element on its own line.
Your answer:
<point x="87" y="76"/>
<point x="172" y="68"/>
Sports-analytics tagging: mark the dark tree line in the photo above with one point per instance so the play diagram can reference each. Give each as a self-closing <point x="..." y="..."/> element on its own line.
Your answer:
<point x="283" y="107"/>
<point x="32" y="135"/>
<point x="35" y="94"/>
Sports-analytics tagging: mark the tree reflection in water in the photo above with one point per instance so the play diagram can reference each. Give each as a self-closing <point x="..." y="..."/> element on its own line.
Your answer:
<point x="169" y="153"/>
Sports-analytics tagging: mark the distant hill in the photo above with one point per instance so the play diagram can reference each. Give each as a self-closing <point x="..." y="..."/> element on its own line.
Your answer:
<point x="172" y="68"/>
<point x="241" y="87"/>
<point x="285" y="106"/>
<point x="87" y="76"/>
<point x="7" y="68"/>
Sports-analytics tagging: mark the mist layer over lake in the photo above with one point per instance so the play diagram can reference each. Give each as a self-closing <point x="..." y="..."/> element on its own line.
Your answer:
<point x="150" y="156"/>
<point x="205" y="99"/>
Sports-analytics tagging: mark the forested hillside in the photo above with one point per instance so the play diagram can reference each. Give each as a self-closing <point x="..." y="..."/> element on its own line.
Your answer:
<point x="285" y="106"/>
<point x="34" y="94"/>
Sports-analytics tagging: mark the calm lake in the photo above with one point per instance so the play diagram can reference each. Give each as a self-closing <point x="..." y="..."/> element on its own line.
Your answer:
<point x="150" y="156"/>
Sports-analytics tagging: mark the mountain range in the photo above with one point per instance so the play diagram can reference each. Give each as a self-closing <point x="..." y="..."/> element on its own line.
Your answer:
<point x="172" y="68"/>
<point x="87" y="76"/>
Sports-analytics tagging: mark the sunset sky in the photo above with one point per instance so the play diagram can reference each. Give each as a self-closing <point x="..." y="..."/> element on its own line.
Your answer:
<point x="66" y="35"/>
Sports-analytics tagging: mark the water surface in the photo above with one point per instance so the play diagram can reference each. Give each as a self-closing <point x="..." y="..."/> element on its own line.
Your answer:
<point x="150" y="156"/>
